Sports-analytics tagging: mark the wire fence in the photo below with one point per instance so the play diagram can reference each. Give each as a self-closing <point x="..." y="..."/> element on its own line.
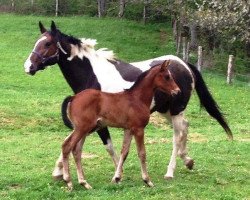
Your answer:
<point x="230" y="66"/>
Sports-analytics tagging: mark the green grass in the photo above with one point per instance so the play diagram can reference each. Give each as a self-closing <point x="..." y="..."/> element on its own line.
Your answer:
<point x="31" y="130"/>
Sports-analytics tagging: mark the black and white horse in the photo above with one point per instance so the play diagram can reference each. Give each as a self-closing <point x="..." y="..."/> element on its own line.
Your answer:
<point x="84" y="67"/>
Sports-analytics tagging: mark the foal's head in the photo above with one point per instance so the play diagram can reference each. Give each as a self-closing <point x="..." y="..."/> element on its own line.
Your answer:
<point x="164" y="80"/>
<point x="46" y="50"/>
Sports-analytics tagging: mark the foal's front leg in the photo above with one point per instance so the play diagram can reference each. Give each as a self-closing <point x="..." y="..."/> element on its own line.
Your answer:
<point x="139" y="138"/>
<point x="124" y="153"/>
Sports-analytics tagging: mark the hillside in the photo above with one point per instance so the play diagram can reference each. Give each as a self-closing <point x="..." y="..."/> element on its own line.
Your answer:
<point x="31" y="130"/>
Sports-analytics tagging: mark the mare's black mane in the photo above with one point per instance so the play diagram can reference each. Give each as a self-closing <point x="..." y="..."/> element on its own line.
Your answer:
<point x="68" y="38"/>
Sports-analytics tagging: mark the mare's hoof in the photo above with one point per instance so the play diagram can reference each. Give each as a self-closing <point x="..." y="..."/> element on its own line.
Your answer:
<point x="189" y="164"/>
<point x="168" y="177"/>
<point x="57" y="177"/>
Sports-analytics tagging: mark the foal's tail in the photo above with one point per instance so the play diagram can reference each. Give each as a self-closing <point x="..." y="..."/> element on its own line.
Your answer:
<point x="64" y="109"/>
<point x="208" y="101"/>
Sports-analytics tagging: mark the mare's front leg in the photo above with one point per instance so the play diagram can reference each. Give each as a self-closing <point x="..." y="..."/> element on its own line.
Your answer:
<point x="124" y="153"/>
<point x="106" y="140"/>
<point x="139" y="138"/>
<point x="180" y="126"/>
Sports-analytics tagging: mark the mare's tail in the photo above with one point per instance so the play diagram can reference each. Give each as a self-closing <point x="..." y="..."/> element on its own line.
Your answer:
<point x="208" y="102"/>
<point x="64" y="112"/>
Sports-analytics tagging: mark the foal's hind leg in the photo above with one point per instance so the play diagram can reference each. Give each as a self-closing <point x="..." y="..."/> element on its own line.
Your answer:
<point x="180" y="126"/>
<point x="77" y="153"/>
<point x="57" y="173"/>
<point x="69" y="145"/>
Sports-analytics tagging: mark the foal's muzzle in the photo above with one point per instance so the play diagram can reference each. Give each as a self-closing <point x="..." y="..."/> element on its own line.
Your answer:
<point x="175" y="92"/>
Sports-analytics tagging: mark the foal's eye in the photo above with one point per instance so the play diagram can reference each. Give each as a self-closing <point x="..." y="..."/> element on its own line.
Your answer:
<point x="47" y="44"/>
<point x="167" y="77"/>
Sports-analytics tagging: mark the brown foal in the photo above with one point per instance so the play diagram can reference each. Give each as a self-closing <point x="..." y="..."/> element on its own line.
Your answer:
<point x="92" y="109"/>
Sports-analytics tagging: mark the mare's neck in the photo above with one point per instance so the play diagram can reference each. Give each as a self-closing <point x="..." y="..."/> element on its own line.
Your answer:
<point x="78" y="73"/>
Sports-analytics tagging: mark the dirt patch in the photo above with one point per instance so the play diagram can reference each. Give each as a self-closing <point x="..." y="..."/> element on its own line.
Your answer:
<point x="158" y="141"/>
<point x="196" y="137"/>
<point x="89" y="155"/>
<point x="159" y="121"/>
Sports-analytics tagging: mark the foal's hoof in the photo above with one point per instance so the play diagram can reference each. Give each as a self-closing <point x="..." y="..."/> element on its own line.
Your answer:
<point x="70" y="186"/>
<point x="116" y="180"/>
<point x="149" y="183"/>
<point x="189" y="164"/>
<point x="86" y="185"/>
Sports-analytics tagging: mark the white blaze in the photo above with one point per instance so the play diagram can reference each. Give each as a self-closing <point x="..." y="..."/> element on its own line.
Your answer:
<point x="28" y="63"/>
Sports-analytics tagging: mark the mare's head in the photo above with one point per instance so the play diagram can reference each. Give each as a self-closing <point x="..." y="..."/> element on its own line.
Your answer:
<point x="47" y="50"/>
<point x="163" y="79"/>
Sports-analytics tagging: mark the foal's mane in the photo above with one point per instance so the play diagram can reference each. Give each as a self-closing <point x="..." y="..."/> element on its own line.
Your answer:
<point x="138" y="80"/>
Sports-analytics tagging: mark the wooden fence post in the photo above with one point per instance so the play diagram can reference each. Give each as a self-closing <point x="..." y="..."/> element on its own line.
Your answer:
<point x="178" y="45"/>
<point x="230" y="69"/>
<point x="199" y="64"/>
<point x="184" y="46"/>
<point x="187" y="52"/>
<point x="57" y="8"/>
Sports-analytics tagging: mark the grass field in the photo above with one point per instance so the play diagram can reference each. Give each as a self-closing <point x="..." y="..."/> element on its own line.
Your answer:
<point x="31" y="131"/>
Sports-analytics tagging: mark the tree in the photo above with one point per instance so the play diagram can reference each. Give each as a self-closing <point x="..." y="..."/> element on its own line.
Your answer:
<point x="122" y="4"/>
<point x="102" y="7"/>
<point x="231" y="18"/>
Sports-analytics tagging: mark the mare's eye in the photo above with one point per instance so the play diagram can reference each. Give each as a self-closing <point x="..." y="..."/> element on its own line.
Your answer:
<point x="47" y="44"/>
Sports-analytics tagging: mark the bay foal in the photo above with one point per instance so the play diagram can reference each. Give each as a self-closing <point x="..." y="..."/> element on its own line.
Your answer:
<point x="92" y="109"/>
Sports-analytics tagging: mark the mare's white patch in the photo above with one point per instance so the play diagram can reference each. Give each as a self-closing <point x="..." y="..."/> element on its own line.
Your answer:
<point x="28" y="62"/>
<point x="107" y="75"/>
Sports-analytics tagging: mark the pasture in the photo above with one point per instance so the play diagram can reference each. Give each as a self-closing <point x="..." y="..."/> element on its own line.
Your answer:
<point x="31" y="130"/>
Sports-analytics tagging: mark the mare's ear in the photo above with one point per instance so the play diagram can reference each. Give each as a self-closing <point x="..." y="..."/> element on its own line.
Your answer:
<point x="53" y="26"/>
<point x="42" y="28"/>
<point x="165" y="65"/>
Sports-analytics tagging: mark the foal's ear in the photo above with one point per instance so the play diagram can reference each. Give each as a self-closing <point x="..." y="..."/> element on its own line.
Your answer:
<point x="165" y="64"/>
<point x="42" y="29"/>
<point x="53" y="26"/>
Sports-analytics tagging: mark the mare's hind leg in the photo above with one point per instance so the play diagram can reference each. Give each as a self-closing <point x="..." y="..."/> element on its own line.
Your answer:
<point x="106" y="139"/>
<point x="183" y="152"/>
<point x="77" y="153"/>
<point x="124" y="153"/>
<point x="180" y="126"/>
<point x="139" y="138"/>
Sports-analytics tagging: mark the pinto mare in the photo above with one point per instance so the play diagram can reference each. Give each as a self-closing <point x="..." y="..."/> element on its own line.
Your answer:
<point x="84" y="67"/>
<point x="93" y="109"/>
